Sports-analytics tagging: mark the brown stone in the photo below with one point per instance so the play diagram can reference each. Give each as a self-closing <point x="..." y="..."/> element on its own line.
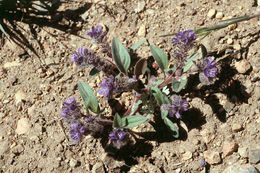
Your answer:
<point x="229" y="148"/>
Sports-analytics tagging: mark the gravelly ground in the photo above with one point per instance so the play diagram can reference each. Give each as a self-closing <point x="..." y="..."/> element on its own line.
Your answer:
<point x="228" y="120"/>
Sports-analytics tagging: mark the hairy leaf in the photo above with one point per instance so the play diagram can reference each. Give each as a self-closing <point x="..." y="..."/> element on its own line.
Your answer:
<point x="117" y="121"/>
<point x="178" y="85"/>
<point x="172" y="127"/>
<point x="120" y="55"/>
<point x="134" y="120"/>
<point x="160" y="97"/>
<point x="90" y="100"/>
<point x="159" y="57"/>
<point x="137" y="45"/>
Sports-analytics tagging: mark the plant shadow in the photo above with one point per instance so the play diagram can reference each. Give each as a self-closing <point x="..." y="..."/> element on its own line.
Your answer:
<point x="43" y="13"/>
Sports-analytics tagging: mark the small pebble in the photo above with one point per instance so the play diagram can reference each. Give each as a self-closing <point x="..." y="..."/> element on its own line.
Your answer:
<point x="242" y="66"/>
<point x="219" y="15"/>
<point x="98" y="168"/>
<point x="23" y="126"/>
<point x="73" y="163"/>
<point x="232" y="27"/>
<point x="142" y="31"/>
<point x="229" y="41"/>
<point x="236" y="127"/>
<point x="212" y="13"/>
<point x="140" y="6"/>
<point x="243" y="152"/>
<point x="49" y="61"/>
<point x="200" y="22"/>
<point x="229" y="148"/>
<point x="237" y="46"/>
<point x="187" y="155"/>
<point x="178" y="170"/>
<point x="212" y="157"/>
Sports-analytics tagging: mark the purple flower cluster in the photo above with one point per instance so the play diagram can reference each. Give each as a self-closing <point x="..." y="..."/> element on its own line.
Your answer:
<point x="118" y="138"/>
<point x="70" y="110"/>
<point x="112" y="85"/>
<point x="177" y="106"/>
<point x="99" y="37"/>
<point x="72" y="115"/>
<point x="77" y="130"/>
<point x="107" y="86"/>
<point x="96" y="33"/>
<point x="184" y="42"/>
<point x="210" y="70"/>
<point x="85" y="57"/>
<point x="185" y="37"/>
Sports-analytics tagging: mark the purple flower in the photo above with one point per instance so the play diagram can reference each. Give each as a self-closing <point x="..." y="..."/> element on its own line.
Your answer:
<point x="84" y="56"/>
<point x="118" y="138"/>
<point x="210" y="70"/>
<point x="178" y="106"/>
<point x="203" y="163"/>
<point x="77" y="130"/>
<point x="99" y="37"/>
<point x="184" y="42"/>
<point x="70" y="110"/>
<point x="185" y="37"/>
<point x="106" y="87"/>
<point x="96" y="33"/>
<point x="79" y="55"/>
<point x="110" y="86"/>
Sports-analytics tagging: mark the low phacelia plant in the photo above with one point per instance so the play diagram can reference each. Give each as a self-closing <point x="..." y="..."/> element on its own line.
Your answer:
<point x="152" y="94"/>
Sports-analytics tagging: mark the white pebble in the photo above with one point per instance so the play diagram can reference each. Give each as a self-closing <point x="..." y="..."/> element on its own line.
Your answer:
<point x="212" y="13"/>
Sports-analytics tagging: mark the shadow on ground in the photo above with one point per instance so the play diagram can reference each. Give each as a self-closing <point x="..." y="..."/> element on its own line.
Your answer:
<point x="41" y="13"/>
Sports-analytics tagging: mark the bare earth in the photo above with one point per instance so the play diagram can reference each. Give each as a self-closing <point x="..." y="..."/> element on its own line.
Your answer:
<point x="224" y="121"/>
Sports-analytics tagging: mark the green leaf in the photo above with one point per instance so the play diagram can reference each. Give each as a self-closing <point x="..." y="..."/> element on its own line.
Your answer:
<point x="178" y="85"/>
<point x="156" y="84"/>
<point x="193" y="57"/>
<point x="136" y="45"/>
<point x="159" y="57"/>
<point x="172" y="127"/>
<point x="187" y="66"/>
<point x="189" y="61"/>
<point x="164" y="114"/>
<point x="90" y="100"/>
<point x="134" y="120"/>
<point x="93" y="72"/>
<point x="118" y="123"/>
<point x="159" y="96"/>
<point x="120" y="55"/>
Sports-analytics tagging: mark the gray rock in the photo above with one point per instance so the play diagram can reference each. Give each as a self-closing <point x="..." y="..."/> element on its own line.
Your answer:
<point x="212" y="157"/>
<point x="243" y="152"/>
<point x="140" y="7"/>
<point x="73" y="163"/>
<point x="237" y="168"/>
<point x="254" y="156"/>
<point x="98" y="168"/>
<point x="4" y="146"/>
<point x="242" y="66"/>
<point x="228" y="106"/>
